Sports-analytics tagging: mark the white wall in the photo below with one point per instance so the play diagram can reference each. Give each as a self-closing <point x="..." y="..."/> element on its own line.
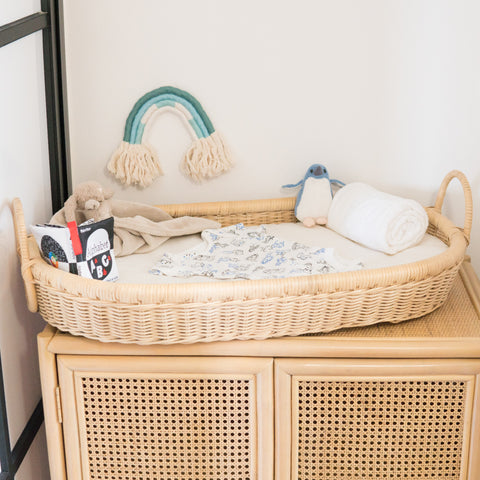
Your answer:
<point x="11" y="10"/>
<point x="380" y="91"/>
<point x="24" y="173"/>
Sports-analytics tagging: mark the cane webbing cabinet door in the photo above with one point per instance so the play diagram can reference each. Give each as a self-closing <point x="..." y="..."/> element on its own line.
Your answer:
<point x="166" y="418"/>
<point x="375" y="419"/>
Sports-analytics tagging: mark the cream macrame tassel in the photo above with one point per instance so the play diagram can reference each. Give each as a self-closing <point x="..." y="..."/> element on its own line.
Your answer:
<point x="135" y="164"/>
<point x="207" y="158"/>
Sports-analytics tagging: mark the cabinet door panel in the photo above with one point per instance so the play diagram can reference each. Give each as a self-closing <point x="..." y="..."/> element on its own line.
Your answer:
<point x="167" y="418"/>
<point x="375" y="420"/>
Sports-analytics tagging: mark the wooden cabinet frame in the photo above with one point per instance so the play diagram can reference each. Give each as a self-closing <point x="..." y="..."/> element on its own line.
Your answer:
<point x="435" y="358"/>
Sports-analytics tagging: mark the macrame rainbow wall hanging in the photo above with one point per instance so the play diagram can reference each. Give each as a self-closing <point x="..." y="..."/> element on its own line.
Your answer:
<point x="136" y="163"/>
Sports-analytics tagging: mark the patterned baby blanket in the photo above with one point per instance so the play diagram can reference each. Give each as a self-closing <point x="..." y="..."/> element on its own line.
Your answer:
<point x="239" y="252"/>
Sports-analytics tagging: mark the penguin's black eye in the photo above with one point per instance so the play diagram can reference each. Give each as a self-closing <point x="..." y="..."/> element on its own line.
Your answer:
<point x="311" y="170"/>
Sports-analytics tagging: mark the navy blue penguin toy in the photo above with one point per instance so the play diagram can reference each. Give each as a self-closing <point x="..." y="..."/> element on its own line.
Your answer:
<point x="315" y="196"/>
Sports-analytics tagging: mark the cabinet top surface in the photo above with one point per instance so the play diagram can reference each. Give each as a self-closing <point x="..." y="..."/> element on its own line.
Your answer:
<point x="453" y="330"/>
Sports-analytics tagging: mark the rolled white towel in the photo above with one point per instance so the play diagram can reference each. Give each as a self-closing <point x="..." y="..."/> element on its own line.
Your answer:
<point x="376" y="219"/>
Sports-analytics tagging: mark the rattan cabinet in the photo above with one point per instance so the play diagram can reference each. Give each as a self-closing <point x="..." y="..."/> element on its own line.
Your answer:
<point x="388" y="401"/>
<point x="397" y="420"/>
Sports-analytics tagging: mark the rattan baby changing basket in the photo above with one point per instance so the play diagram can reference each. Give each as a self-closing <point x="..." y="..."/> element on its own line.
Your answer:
<point x="247" y="309"/>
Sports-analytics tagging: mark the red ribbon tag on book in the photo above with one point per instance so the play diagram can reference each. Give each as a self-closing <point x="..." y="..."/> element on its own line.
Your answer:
<point x="77" y="246"/>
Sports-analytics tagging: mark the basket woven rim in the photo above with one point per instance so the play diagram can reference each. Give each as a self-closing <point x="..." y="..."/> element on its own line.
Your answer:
<point x="225" y="291"/>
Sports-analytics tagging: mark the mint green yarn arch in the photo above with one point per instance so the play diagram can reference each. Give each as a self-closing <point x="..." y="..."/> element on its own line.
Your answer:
<point x="138" y="127"/>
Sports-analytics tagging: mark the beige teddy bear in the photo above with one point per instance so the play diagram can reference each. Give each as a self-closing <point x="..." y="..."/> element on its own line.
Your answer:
<point x="89" y="200"/>
<point x="138" y="228"/>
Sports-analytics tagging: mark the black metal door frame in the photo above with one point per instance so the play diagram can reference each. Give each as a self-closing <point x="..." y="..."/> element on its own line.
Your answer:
<point x="48" y="21"/>
<point x="10" y="460"/>
<point x="55" y="102"/>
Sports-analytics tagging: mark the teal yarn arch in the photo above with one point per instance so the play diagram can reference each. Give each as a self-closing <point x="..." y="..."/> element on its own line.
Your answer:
<point x="136" y="162"/>
<point x="167" y="97"/>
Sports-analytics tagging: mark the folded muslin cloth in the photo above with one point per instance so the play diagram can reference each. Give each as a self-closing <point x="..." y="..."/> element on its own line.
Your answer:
<point x="140" y="228"/>
<point x="376" y="219"/>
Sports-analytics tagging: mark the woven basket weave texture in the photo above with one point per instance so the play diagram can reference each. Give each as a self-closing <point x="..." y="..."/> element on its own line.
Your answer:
<point x="249" y="309"/>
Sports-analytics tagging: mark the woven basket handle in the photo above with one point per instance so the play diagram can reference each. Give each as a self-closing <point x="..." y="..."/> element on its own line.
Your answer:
<point x="467" y="191"/>
<point x="23" y="253"/>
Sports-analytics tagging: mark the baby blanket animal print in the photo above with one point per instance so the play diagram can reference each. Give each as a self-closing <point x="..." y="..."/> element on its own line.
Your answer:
<point x="239" y="252"/>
